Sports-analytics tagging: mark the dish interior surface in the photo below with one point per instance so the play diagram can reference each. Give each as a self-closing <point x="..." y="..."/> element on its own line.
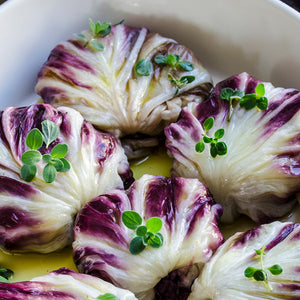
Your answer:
<point x="221" y="33"/>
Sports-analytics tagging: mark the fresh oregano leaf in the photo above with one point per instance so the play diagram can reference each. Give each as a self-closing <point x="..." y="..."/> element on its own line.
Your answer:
<point x="28" y="172"/>
<point x="161" y="60"/>
<point x="50" y="132"/>
<point x="208" y="124"/>
<point x="260" y="90"/>
<point x="80" y="37"/>
<point x="226" y="93"/>
<point x="262" y="103"/>
<point x="4" y="280"/>
<point x="6" y="273"/>
<point x="200" y="146"/>
<point x="154" y="224"/>
<point x="187" y="79"/>
<point x="154" y="240"/>
<point x="221" y="148"/>
<point x="275" y="269"/>
<point x="137" y="245"/>
<point x="47" y="158"/>
<point x="249" y="272"/>
<point x="186" y="65"/>
<point x="66" y="165"/>
<point x="49" y="173"/>
<point x="107" y="296"/>
<point x="141" y="231"/>
<point x="59" y="151"/>
<point x="259" y="275"/>
<point x="207" y="139"/>
<point x="31" y="157"/>
<point x="248" y="101"/>
<point x="34" y="139"/>
<point x="96" y="45"/>
<point x="219" y="133"/>
<point x="131" y="219"/>
<point x="143" y="67"/>
<point x="213" y="150"/>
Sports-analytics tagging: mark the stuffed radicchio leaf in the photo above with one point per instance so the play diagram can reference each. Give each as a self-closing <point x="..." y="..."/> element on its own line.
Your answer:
<point x="38" y="216"/>
<point x="63" y="284"/>
<point x="190" y="234"/>
<point x="106" y="89"/>
<point x="223" y="277"/>
<point x="259" y="176"/>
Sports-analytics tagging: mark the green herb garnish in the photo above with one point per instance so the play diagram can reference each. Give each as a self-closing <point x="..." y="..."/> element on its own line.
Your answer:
<point x="107" y="296"/>
<point x="55" y="161"/>
<point x="145" y="235"/>
<point x="173" y="61"/>
<point x="261" y="274"/>
<point x="5" y="275"/>
<point x="247" y="101"/>
<point x="98" y="30"/>
<point x="216" y="147"/>
<point x="143" y="67"/>
<point x="180" y="83"/>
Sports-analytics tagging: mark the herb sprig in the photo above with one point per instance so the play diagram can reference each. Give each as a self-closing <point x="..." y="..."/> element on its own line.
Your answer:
<point x="98" y="30"/>
<point x="5" y="275"/>
<point x="145" y="234"/>
<point x="107" y="296"/>
<point x="260" y="274"/>
<point x="216" y="147"/>
<point x="144" y="68"/>
<point x="246" y="101"/>
<point x="55" y="161"/>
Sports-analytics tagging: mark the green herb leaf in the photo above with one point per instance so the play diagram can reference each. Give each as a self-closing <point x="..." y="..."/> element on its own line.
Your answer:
<point x="66" y="165"/>
<point x="31" y="157"/>
<point x="141" y="231"/>
<point x="49" y="173"/>
<point x="207" y="139"/>
<point x="34" y="139"/>
<point x="4" y="280"/>
<point x="50" y="132"/>
<point x="96" y="45"/>
<point x="200" y="146"/>
<point x="154" y="224"/>
<point x="154" y="240"/>
<point x="262" y="103"/>
<point x="221" y="148"/>
<point x="59" y="150"/>
<point x="213" y="150"/>
<point x="219" y="133"/>
<point x="249" y="272"/>
<point x="186" y="65"/>
<point x="260" y="251"/>
<point x="260" y="90"/>
<point x="208" y="124"/>
<point x="161" y="60"/>
<point x="184" y="80"/>
<point x="275" y="269"/>
<point x="104" y="29"/>
<point x="137" y="245"/>
<point x="260" y="275"/>
<point x="237" y="94"/>
<point x="57" y="163"/>
<point x="80" y="37"/>
<point x="172" y="59"/>
<point x="226" y="93"/>
<point x="131" y="219"/>
<point x="47" y="158"/>
<point x="143" y="67"/>
<point x="248" y="101"/>
<point x="6" y="273"/>
<point x="107" y="296"/>
<point x="28" y="172"/>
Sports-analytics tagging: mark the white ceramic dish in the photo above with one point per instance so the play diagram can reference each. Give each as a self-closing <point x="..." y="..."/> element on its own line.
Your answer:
<point x="260" y="37"/>
<point x="257" y="36"/>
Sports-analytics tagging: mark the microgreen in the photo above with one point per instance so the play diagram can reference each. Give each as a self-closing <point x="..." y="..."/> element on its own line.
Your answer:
<point x="180" y="83"/>
<point x="98" y="30"/>
<point x="5" y="275"/>
<point x="107" y="296"/>
<point x="216" y="147"/>
<point x="173" y="61"/>
<point x="55" y="161"/>
<point x="145" y="234"/>
<point x="260" y="274"/>
<point x="247" y="101"/>
<point x="143" y="67"/>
